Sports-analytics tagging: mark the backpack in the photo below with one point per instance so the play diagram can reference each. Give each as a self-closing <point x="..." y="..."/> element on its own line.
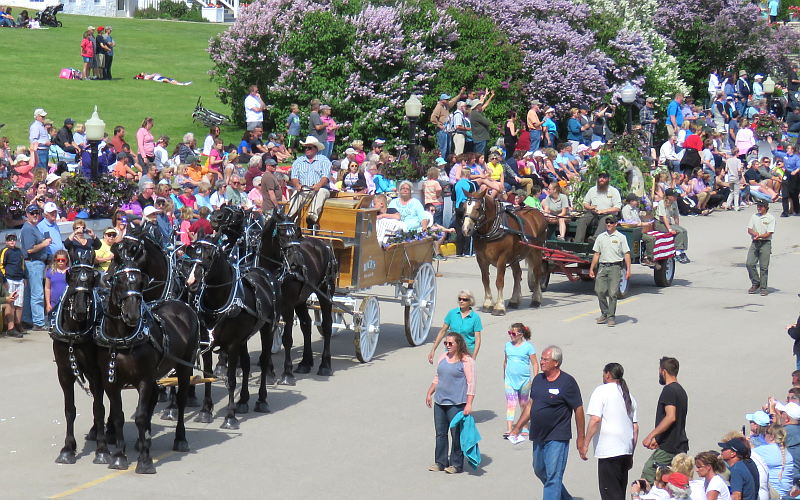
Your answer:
<point x="449" y="126"/>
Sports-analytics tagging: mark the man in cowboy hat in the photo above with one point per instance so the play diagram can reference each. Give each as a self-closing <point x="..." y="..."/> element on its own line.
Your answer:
<point x="310" y="176"/>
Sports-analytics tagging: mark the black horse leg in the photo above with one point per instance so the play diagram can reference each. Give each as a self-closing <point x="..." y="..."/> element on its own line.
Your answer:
<point x="242" y="405"/>
<point x="101" y="454"/>
<point x="325" y="368"/>
<point x="230" y="417"/>
<point x="184" y="374"/>
<point x="144" y="464"/>
<point x="305" y="325"/>
<point x="287" y="378"/>
<point x="191" y="400"/>
<point x="162" y="394"/>
<point x="222" y="364"/>
<point x="171" y="411"/>
<point x="67" y="381"/>
<point x="119" y="459"/>
<point x="206" y="412"/>
<point x="265" y="360"/>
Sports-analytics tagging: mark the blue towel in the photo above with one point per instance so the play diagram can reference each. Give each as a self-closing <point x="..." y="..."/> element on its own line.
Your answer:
<point x="469" y="438"/>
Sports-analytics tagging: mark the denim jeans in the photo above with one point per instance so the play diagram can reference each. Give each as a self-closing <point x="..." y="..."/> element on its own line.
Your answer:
<point x="438" y="215"/>
<point x="328" y="149"/>
<point x="480" y="147"/>
<point x="36" y="285"/>
<point x="42" y="155"/>
<point x="536" y="140"/>
<point x="549" y="463"/>
<point x="442" y="415"/>
<point x="443" y="141"/>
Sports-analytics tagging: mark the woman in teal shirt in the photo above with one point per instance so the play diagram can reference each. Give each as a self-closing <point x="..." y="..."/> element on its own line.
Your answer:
<point x="464" y="321"/>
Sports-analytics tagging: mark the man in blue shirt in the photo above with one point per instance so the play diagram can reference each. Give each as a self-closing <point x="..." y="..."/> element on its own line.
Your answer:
<point x="49" y="228"/>
<point x="39" y="138"/>
<point x="675" y="115"/>
<point x="744" y="474"/>
<point x="310" y="177"/>
<point x="790" y="188"/>
<point x="35" y="246"/>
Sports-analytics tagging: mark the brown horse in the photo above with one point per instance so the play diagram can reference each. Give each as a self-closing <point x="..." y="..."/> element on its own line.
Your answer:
<point x="497" y="246"/>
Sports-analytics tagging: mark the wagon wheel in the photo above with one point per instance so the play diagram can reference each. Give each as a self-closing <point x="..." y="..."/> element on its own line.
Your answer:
<point x="337" y="319"/>
<point x="419" y="315"/>
<point x="367" y="329"/>
<point x="624" y="285"/>
<point x="277" y="337"/>
<point x="664" y="276"/>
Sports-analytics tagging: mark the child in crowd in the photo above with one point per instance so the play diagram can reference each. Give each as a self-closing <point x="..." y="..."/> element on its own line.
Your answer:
<point x="201" y="224"/>
<point x="293" y="126"/>
<point x="186" y="223"/>
<point x="733" y="175"/>
<point x="519" y="367"/>
<point x="216" y="158"/>
<point x="432" y="190"/>
<point x="430" y="214"/>
<point x="533" y="200"/>
<point x="12" y="267"/>
<point x="55" y="280"/>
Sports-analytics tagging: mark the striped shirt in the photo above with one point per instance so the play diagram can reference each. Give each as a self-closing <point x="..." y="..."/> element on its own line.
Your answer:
<point x="309" y="172"/>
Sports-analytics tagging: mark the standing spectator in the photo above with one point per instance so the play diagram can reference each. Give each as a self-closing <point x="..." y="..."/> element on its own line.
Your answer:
<point x="794" y="333"/>
<point x="520" y="360"/>
<point x="743" y="472"/>
<point x="145" y="142"/>
<point x="647" y="119"/>
<point x="12" y="268"/>
<point x="101" y="53"/>
<point x="103" y="256"/>
<point x="271" y="193"/>
<point x="330" y="129"/>
<point x="211" y="138"/>
<point x="733" y="175"/>
<point x="674" y="119"/>
<point x="49" y="227"/>
<point x="709" y="467"/>
<point x="87" y="53"/>
<point x="55" y="281"/>
<point x="81" y="238"/>
<point x="432" y="190"/>
<point x="510" y="133"/>
<point x="253" y="108"/>
<point x="440" y="118"/>
<point x="293" y="127"/>
<point x="23" y="170"/>
<point x="316" y="127"/>
<point x="780" y="463"/>
<point x="35" y="245"/>
<point x="463" y="321"/>
<point x="461" y="127"/>
<point x="534" y="124"/>
<point x="480" y="125"/>
<point x="613" y="419"/>
<point x="790" y="187"/>
<point x="555" y="395"/>
<point x="788" y="415"/>
<point x="160" y="153"/>
<point x="743" y="93"/>
<point x="669" y="436"/>
<point x="574" y="131"/>
<point x="452" y="391"/>
<point x="118" y="139"/>
<point x="611" y="252"/>
<point x="760" y="228"/>
<point x="109" y="43"/>
<point x="39" y="138"/>
<point x="600" y="125"/>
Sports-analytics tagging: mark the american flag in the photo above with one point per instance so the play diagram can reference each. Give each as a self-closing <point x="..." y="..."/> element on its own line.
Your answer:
<point x="665" y="245"/>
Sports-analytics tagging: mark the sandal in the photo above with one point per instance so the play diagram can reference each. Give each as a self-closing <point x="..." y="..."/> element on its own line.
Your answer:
<point x="506" y="434"/>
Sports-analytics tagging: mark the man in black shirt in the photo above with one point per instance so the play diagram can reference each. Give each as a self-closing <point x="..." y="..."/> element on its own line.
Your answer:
<point x="64" y="138"/>
<point x="793" y="86"/>
<point x="669" y="436"/>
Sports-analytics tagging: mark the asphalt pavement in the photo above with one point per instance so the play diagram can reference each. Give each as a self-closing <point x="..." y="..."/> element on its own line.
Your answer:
<point x="365" y="432"/>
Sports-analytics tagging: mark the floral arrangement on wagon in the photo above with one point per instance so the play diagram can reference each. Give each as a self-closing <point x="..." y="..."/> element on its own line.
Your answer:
<point x="412" y="235"/>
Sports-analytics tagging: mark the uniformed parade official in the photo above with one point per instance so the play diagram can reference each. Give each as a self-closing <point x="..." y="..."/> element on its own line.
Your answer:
<point x="601" y="200"/>
<point x="611" y="252"/>
<point x="760" y="228"/>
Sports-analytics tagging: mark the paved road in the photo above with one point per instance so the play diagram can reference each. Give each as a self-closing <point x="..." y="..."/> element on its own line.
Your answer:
<point x="366" y="431"/>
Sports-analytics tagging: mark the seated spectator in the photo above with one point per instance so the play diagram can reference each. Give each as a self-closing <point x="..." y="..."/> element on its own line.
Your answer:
<point x="254" y="195"/>
<point x="187" y="198"/>
<point x="780" y="464"/>
<point x="132" y="208"/>
<point x="382" y="184"/>
<point x="122" y="168"/>
<point x="556" y="209"/>
<point x="387" y="219"/>
<point x="280" y="151"/>
<point x="353" y="181"/>
<point x="255" y="169"/>
<point x="196" y="171"/>
<point x="150" y="176"/>
<point x="217" y="198"/>
<point x="81" y="238"/>
<point x="184" y="232"/>
<point x="756" y="187"/>
<point x="161" y="154"/>
<point x="22" y="167"/>
<point x="201" y="226"/>
<point x="79" y="135"/>
<point x="440" y="231"/>
<point x="6" y="19"/>
<point x="186" y="148"/>
<point x="182" y="177"/>
<point x="203" y="196"/>
<point x="412" y="213"/>
<point x="699" y="191"/>
<point x="65" y="139"/>
<point x="24" y="20"/>
<point x="103" y="256"/>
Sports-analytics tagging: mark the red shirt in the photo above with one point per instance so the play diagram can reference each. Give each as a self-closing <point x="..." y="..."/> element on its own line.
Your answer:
<point x="523" y="141"/>
<point x="203" y="224"/>
<point x="693" y="141"/>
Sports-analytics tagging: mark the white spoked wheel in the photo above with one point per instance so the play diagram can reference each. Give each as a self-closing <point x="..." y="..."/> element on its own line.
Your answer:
<point x="337" y="319"/>
<point x="419" y="315"/>
<point x="367" y="329"/>
<point x="624" y="285"/>
<point x="277" y="337"/>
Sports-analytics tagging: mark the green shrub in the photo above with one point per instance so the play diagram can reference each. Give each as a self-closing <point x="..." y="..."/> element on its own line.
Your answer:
<point x="146" y="13"/>
<point x="176" y="10"/>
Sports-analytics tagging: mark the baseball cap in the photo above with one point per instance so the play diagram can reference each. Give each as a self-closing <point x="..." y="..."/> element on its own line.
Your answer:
<point x="670" y="192"/>
<point x="39" y="112"/>
<point x="596" y="145"/>
<point x="444" y="97"/>
<point x="51" y="178"/>
<point x="69" y="121"/>
<point x="350" y="151"/>
<point x="611" y="218"/>
<point x="760" y="417"/>
<point x="149" y="210"/>
<point x="50" y="207"/>
<point x="735" y="444"/>
<point x="378" y="142"/>
<point x="122" y="156"/>
<point x="676" y="479"/>
<point x="603" y="174"/>
<point x="441" y="161"/>
<point x="631" y="197"/>
<point x="33" y="209"/>
<point x="650" y="99"/>
<point x="270" y="161"/>
<point x="792" y="409"/>
<point x="11" y="236"/>
<point x="762" y="203"/>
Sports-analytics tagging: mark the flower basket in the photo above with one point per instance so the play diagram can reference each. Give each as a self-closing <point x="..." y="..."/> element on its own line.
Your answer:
<point x="766" y="126"/>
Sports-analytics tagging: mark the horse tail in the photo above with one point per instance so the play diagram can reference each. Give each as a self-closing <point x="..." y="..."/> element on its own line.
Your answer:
<point x="332" y="270"/>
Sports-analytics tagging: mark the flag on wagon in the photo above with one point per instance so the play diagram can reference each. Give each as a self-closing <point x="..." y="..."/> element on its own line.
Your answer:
<point x="664" y="247"/>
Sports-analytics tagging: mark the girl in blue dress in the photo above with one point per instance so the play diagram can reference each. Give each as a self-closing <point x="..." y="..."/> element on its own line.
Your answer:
<point x="520" y="366"/>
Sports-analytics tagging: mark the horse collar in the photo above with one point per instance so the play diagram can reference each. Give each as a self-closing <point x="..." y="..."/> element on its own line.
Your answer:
<point x="58" y="333"/>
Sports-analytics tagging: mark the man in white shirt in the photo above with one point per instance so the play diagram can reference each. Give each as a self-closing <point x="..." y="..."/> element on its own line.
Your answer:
<point x="713" y="85"/>
<point x="668" y="156"/>
<point x="613" y="422"/>
<point x="760" y="228"/>
<point x="253" y="108"/>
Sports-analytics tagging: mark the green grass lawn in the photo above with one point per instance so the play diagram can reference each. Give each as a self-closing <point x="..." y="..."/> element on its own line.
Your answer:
<point x="32" y="60"/>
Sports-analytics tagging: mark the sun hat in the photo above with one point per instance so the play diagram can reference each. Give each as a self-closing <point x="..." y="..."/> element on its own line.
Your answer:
<point x="350" y="151"/>
<point x="444" y="97"/>
<point x="256" y="181"/>
<point x="596" y="144"/>
<point x="581" y="148"/>
<point x="792" y="409"/>
<point x="742" y="73"/>
<point x="650" y="99"/>
<point x="440" y="161"/>
<point x="150" y="210"/>
<point x="51" y="178"/>
<point x="21" y="157"/>
<point x="539" y="154"/>
<point x="536" y="102"/>
<point x="312" y="141"/>
<point x="39" y="112"/>
<point x="759" y="417"/>
<point x="550" y="110"/>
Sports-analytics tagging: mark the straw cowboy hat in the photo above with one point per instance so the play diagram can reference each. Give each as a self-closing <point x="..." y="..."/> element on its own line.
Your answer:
<point x="312" y="141"/>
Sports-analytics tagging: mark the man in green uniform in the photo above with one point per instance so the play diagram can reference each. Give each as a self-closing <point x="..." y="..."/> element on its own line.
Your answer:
<point x="600" y="200"/>
<point x="611" y="250"/>
<point x="760" y="229"/>
<point x="667" y="220"/>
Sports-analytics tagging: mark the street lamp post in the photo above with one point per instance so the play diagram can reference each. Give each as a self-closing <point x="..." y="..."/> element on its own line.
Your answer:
<point x="769" y="90"/>
<point x="95" y="130"/>
<point x="628" y="95"/>
<point x="413" y="110"/>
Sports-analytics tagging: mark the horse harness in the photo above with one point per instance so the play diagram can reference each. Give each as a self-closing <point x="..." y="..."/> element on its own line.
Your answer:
<point x="499" y="227"/>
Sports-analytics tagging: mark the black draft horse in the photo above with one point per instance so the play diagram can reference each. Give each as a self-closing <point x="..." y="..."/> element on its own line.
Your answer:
<point x="72" y="328"/>
<point x="139" y="344"/>
<point x="233" y="306"/>
<point x="303" y="266"/>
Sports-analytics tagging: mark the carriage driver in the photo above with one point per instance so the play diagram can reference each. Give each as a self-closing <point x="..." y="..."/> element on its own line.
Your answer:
<point x="310" y="176"/>
<point x="601" y="200"/>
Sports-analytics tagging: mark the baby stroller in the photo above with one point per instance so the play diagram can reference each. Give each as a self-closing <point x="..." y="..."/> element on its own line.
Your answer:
<point x="47" y="17"/>
<point x="206" y="116"/>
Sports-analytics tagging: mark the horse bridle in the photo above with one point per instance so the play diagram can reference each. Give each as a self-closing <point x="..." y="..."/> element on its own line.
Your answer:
<point x="479" y="220"/>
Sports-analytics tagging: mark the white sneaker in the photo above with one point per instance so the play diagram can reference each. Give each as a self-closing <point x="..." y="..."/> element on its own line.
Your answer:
<point x="516" y="439"/>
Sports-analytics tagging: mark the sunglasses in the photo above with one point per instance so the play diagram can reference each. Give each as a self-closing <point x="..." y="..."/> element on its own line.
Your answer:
<point x="610" y="223"/>
<point x="309" y="147"/>
<point x="235" y="183"/>
<point x="513" y="333"/>
<point x="110" y="234"/>
<point x="61" y="260"/>
<point x="448" y="344"/>
<point x="463" y="299"/>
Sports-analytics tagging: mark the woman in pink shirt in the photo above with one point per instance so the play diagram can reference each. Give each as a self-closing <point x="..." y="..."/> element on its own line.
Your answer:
<point x="146" y="142"/>
<point x="745" y="140"/>
<point x="331" y="126"/>
<point x="23" y="166"/>
<point x="87" y="53"/>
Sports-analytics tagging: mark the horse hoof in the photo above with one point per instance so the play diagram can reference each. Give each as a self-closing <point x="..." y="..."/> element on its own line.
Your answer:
<point x="242" y="408"/>
<point x="145" y="467"/>
<point x="66" y="457"/>
<point x="192" y="402"/>
<point x="301" y="368"/>
<point x="119" y="462"/>
<point x="287" y="380"/>
<point x="204" y="417"/>
<point x="230" y="423"/>
<point x="102" y="458"/>
<point x="486" y="309"/>
<point x="182" y="446"/>
<point x="498" y="312"/>
<point x="513" y="305"/>
<point x="536" y="304"/>
<point x="271" y="379"/>
<point x="261" y="407"/>
<point x="170" y="414"/>
<point x="325" y="371"/>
